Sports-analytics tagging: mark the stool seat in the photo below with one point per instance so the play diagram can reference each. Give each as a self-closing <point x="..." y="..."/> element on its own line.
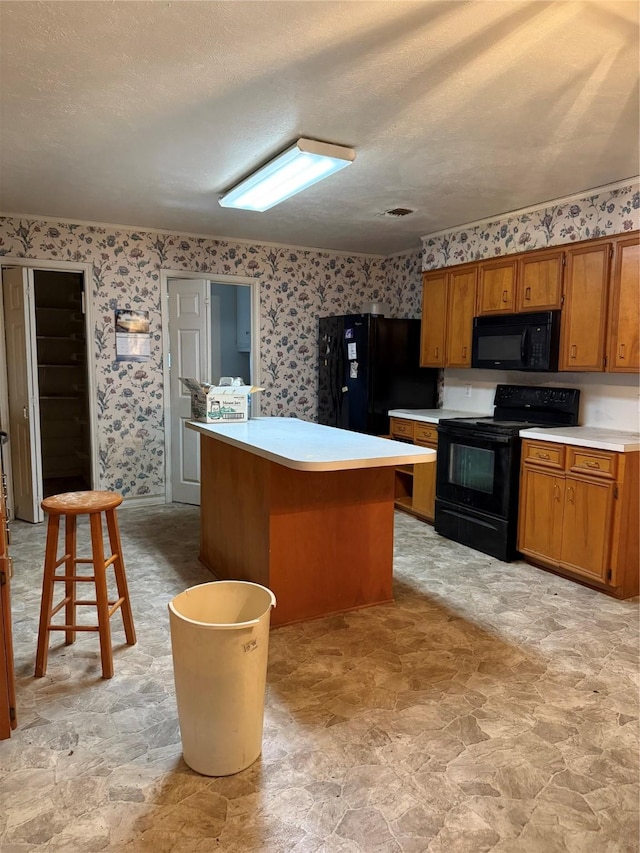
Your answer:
<point x="69" y="506"/>
<point x="80" y="503"/>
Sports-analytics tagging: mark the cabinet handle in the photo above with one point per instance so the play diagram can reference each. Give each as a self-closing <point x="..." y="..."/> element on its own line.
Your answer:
<point x="621" y="351"/>
<point x="504" y="295"/>
<point x="556" y="492"/>
<point x="464" y="352"/>
<point x="574" y="350"/>
<point x="436" y="352"/>
<point x="527" y="293"/>
<point x="542" y="455"/>
<point x="592" y="464"/>
<point x="571" y="495"/>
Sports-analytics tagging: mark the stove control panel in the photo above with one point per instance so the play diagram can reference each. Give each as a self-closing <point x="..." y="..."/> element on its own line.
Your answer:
<point x="550" y="405"/>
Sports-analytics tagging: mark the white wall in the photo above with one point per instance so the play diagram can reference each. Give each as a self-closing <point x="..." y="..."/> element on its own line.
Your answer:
<point x="610" y="400"/>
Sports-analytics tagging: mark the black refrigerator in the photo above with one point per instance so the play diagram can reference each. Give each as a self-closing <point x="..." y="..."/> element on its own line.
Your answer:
<point x="369" y="364"/>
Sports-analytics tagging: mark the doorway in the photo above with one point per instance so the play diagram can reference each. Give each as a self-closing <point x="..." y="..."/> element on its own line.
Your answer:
<point x="47" y="390"/>
<point x="211" y="330"/>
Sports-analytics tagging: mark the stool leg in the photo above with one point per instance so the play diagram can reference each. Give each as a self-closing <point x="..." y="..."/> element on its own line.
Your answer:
<point x="50" y="557"/>
<point x="121" y="578"/>
<point x="102" y="602"/>
<point x="70" y="569"/>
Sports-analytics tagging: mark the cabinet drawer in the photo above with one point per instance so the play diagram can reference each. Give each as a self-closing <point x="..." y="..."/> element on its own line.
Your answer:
<point x="543" y="453"/>
<point x="597" y="463"/>
<point x="401" y="428"/>
<point x="425" y="433"/>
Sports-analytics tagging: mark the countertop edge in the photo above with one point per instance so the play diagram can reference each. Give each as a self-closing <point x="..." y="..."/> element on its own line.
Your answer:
<point x="417" y="455"/>
<point x="434" y="416"/>
<point x="613" y="444"/>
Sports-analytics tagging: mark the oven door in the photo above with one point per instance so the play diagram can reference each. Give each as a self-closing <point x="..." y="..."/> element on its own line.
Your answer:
<point x="477" y="470"/>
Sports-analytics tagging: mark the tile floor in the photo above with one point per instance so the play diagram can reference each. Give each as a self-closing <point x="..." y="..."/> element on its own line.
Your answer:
<point x="492" y="707"/>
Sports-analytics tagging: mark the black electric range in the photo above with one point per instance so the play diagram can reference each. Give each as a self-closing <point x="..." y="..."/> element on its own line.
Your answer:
<point x="478" y="465"/>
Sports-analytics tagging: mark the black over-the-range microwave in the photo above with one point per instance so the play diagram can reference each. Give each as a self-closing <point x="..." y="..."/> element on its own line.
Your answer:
<point x="517" y="341"/>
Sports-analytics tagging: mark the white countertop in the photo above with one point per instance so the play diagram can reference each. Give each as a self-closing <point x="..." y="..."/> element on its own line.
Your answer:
<point x="433" y="416"/>
<point x="312" y="447"/>
<point x="596" y="437"/>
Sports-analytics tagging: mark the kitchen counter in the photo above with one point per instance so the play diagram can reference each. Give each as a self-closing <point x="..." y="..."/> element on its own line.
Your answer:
<point x="585" y="436"/>
<point x="303" y="509"/>
<point x="433" y="416"/>
<point x="308" y="446"/>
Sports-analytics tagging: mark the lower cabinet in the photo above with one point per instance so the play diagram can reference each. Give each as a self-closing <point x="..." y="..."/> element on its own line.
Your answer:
<point x="578" y="514"/>
<point x="416" y="484"/>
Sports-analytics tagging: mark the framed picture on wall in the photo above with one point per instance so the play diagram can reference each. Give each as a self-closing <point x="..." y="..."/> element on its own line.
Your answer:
<point x="133" y="339"/>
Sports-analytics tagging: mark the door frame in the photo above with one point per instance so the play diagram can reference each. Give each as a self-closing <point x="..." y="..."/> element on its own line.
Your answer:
<point x="255" y="359"/>
<point x="86" y="270"/>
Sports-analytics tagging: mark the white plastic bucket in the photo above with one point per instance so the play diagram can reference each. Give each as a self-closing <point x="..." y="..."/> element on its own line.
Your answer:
<point x="220" y="642"/>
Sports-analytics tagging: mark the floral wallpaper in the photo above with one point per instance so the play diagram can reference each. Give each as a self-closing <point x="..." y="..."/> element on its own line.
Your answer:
<point x="296" y="287"/>
<point x="612" y="211"/>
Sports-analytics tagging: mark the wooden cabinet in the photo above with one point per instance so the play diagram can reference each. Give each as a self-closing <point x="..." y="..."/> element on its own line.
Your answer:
<point x="602" y="277"/>
<point x="539" y="284"/>
<point x="461" y="308"/>
<point x="624" y="313"/>
<point x="595" y="283"/>
<point x="433" y="326"/>
<point x="541" y="506"/>
<point x="415" y="490"/>
<point x="583" y="327"/>
<point x="7" y="678"/>
<point x="578" y="513"/>
<point x="529" y="282"/>
<point x="448" y="309"/>
<point x="497" y="286"/>
<point x="586" y="528"/>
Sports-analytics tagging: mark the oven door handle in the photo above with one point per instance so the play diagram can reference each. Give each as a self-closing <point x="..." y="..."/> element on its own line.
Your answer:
<point x="471" y="438"/>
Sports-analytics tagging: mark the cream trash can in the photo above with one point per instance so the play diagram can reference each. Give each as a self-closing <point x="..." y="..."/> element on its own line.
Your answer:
<point x="219" y="642"/>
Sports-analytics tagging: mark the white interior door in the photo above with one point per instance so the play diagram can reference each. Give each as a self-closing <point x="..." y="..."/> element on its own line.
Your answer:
<point x="190" y="356"/>
<point x="22" y="379"/>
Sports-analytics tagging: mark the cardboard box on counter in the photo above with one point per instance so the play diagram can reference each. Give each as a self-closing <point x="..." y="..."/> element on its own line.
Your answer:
<point x="212" y="404"/>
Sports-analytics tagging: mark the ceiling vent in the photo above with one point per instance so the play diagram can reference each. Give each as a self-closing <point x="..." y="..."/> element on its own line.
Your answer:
<point x="398" y="212"/>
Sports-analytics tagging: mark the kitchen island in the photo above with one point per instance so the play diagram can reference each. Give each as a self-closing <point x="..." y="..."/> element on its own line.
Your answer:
<point x="303" y="509"/>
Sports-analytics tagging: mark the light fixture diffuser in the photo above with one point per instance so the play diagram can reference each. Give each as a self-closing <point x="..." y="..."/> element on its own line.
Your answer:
<point x="300" y="166"/>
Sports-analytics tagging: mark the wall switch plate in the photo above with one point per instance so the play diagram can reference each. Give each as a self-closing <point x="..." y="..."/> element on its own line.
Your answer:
<point x="467" y="389"/>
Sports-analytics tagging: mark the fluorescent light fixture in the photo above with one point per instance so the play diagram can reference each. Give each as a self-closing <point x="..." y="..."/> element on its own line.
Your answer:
<point x="300" y="166"/>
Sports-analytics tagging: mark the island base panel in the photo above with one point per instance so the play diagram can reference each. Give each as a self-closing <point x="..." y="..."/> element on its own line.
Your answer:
<point x="322" y="541"/>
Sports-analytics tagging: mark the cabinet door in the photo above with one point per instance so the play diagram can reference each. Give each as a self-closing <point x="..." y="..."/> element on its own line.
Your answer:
<point x="540" y="515"/>
<point x="434" y="319"/>
<point x="586" y="541"/>
<point x="540" y="281"/>
<point x="624" y="333"/>
<point x="582" y="334"/>
<point x="461" y="306"/>
<point x="424" y="483"/>
<point x="497" y="287"/>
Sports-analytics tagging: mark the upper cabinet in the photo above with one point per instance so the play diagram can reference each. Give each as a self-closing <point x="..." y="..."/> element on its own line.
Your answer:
<point x="497" y="287"/>
<point x="530" y="282"/>
<point x="594" y="283"/>
<point x="539" y="284"/>
<point x="448" y="309"/>
<point x="623" y="354"/>
<point x="583" y="326"/>
<point x="433" y="326"/>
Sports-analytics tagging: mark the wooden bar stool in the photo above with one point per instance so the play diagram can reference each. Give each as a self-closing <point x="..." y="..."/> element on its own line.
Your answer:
<point x="71" y="505"/>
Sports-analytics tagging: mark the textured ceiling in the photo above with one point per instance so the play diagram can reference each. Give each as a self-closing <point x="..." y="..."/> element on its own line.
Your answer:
<point x="142" y="113"/>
